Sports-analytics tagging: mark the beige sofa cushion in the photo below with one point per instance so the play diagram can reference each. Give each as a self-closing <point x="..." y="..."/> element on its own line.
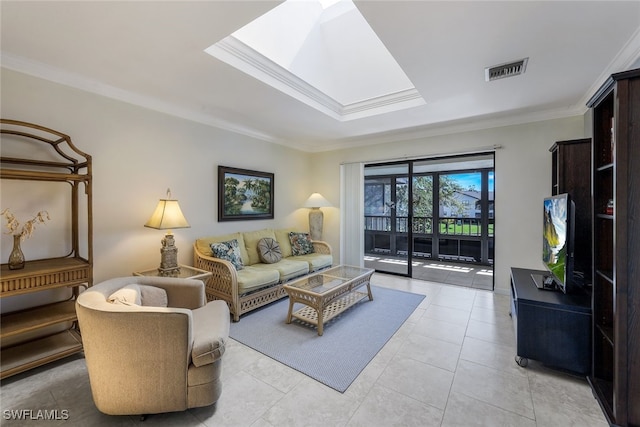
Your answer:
<point x="204" y="245"/>
<point x="316" y="261"/>
<point x="251" y="278"/>
<point x="287" y="268"/>
<point x="282" y="236"/>
<point x="251" y="239"/>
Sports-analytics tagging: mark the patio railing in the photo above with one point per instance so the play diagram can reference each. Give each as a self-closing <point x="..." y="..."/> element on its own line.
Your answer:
<point x="457" y="238"/>
<point x="449" y="226"/>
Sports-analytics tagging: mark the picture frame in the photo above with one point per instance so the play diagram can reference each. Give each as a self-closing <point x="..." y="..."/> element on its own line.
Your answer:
<point x="244" y="194"/>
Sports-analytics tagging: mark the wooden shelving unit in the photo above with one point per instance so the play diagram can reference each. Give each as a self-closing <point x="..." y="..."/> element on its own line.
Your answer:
<point x="615" y="376"/>
<point x="39" y="335"/>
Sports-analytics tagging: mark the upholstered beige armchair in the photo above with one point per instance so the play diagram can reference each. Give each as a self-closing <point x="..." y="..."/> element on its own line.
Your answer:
<point x="144" y="357"/>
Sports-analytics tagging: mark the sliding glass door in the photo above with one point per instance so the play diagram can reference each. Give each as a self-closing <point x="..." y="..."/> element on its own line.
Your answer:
<point x="422" y="216"/>
<point x="386" y="204"/>
<point x="460" y="217"/>
<point x="429" y="210"/>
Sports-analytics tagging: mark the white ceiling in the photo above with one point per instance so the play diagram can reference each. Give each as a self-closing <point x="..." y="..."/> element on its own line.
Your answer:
<point x="327" y="57"/>
<point x="151" y="54"/>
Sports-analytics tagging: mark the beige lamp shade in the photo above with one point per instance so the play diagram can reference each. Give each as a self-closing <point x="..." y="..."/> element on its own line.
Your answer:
<point x="316" y="200"/>
<point x="167" y="215"/>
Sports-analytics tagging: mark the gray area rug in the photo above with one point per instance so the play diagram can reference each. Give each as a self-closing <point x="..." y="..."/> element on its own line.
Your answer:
<point x="348" y="344"/>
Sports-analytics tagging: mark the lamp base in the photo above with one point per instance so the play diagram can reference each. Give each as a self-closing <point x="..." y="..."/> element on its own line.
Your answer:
<point x="168" y="257"/>
<point x="315" y="223"/>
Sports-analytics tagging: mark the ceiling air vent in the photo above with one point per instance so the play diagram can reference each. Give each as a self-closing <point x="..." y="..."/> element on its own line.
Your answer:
<point x="509" y="69"/>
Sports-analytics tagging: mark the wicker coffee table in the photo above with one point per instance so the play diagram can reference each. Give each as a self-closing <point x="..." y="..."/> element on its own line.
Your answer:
<point x="327" y="293"/>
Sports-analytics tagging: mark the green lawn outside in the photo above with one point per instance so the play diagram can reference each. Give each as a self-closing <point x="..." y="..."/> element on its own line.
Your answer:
<point x="459" y="229"/>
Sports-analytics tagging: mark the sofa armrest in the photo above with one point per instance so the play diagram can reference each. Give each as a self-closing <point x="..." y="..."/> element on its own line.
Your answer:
<point x="224" y="279"/>
<point x="321" y="247"/>
<point x="181" y="293"/>
<point x="210" y="333"/>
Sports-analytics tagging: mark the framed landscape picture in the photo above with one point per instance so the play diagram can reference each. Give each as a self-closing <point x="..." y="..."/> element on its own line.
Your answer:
<point x="244" y="194"/>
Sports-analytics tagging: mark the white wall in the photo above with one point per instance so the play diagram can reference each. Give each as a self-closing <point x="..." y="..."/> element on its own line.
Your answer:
<point x="523" y="179"/>
<point x="138" y="153"/>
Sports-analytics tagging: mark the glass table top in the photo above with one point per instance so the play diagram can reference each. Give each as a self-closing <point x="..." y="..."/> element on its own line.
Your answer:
<point x="346" y="271"/>
<point x="186" y="272"/>
<point x="327" y="280"/>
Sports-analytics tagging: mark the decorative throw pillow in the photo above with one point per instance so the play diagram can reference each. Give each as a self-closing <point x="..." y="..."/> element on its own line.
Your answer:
<point x="128" y="295"/>
<point x="229" y="251"/>
<point x="153" y="296"/>
<point x="269" y="250"/>
<point x="300" y="243"/>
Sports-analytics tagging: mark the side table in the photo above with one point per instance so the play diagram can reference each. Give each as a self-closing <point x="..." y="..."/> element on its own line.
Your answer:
<point x="186" y="272"/>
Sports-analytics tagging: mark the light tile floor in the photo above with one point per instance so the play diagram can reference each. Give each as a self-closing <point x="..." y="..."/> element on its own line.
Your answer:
<point x="451" y="364"/>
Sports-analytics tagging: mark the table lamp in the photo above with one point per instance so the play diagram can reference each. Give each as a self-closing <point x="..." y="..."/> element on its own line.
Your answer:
<point x="315" y="202"/>
<point x="168" y="216"/>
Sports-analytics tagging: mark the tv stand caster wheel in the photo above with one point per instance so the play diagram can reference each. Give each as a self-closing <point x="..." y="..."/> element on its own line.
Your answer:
<point x="522" y="361"/>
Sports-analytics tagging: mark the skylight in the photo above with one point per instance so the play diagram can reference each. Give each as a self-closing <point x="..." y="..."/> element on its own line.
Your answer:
<point x="322" y="53"/>
<point x="327" y="3"/>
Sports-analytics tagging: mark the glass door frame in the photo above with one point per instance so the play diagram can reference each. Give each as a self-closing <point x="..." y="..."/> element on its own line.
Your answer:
<point x="435" y="214"/>
<point x="393" y="217"/>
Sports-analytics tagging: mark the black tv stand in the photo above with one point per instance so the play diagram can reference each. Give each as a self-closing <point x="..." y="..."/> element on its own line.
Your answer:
<point x="553" y="328"/>
<point x="545" y="282"/>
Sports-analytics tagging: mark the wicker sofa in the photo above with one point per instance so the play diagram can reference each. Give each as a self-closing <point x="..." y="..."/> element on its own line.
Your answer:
<point x="255" y="283"/>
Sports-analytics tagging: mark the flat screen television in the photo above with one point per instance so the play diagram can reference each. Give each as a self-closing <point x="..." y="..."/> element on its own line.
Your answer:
<point x="557" y="243"/>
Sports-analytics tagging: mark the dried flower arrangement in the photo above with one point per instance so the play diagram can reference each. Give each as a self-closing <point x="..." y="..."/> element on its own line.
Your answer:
<point x="28" y="227"/>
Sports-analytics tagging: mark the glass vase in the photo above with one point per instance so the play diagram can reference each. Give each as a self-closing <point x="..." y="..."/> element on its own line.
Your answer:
<point x="16" y="258"/>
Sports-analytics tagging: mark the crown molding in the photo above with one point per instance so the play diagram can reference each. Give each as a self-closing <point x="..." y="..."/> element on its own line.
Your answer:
<point x="624" y="60"/>
<point x="63" y="77"/>
<point x="77" y="81"/>
<point x="242" y="57"/>
<point x="246" y="59"/>
<point x="461" y="126"/>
